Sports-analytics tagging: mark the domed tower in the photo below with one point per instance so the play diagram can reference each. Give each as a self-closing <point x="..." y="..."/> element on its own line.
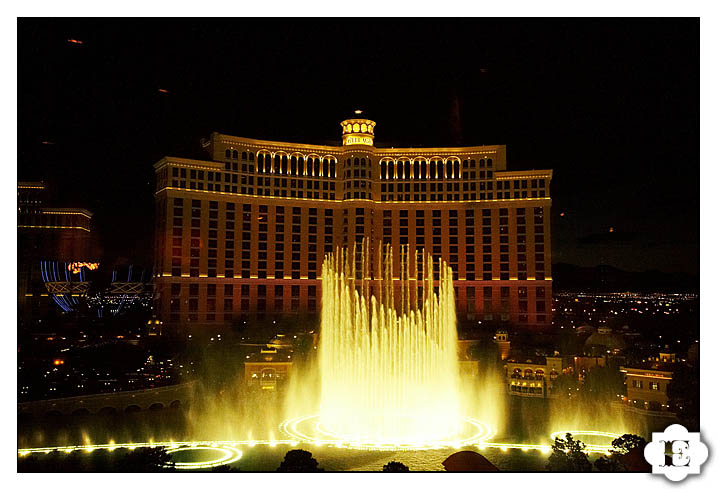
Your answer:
<point x="604" y="340"/>
<point x="357" y="171"/>
<point x="358" y="131"/>
<point x="358" y="141"/>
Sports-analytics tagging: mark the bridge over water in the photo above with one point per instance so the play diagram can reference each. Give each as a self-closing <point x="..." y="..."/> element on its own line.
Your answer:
<point x="115" y="402"/>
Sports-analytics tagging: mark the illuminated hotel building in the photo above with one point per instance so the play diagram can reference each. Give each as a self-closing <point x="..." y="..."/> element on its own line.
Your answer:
<point x="245" y="231"/>
<point x="49" y="240"/>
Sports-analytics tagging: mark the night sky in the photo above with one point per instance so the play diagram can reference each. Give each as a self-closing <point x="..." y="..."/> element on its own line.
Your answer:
<point x="612" y="106"/>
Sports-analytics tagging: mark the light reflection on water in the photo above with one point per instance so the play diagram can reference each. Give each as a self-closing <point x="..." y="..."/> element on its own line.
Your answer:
<point x="528" y="422"/>
<point x="336" y="459"/>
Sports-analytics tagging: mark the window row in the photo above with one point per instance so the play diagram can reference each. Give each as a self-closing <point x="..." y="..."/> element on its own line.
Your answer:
<point x="296" y="166"/>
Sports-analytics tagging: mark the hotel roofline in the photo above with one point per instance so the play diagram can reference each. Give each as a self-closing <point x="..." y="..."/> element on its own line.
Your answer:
<point x="217" y="165"/>
<point x="223" y="138"/>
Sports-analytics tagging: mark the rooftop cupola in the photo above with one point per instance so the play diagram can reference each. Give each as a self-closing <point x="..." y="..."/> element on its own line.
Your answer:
<point x="358" y="130"/>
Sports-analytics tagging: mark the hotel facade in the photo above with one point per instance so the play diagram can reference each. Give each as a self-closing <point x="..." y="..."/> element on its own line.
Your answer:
<point x="245" y="231"/>
<point x="56" y="248"/>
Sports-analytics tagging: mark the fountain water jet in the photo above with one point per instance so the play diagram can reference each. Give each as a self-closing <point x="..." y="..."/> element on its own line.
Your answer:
<point x="388" y="363"/>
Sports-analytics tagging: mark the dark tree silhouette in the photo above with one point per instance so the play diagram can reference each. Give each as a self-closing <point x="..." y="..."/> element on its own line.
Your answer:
<point x="622" y="445"/>
<point x="299" y="461"/>
<point x="101" y="460"/>
<point x="568" y="456"/>
<point x="609" y="464"/>
<point x="395" y="466"/>
<point x="626" y="442"/>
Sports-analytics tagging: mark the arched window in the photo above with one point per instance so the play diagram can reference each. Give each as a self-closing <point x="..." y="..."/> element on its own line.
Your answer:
<point x="390" y="172"/>
<point x="417" y="170"/>
<point x="489" y="162"/>
<point x="301" y="165"/>
<point x="251" y="156"/>
<point x="325" y="168"/>
<point x="432" y="169"/>
<point x="332" y="168"/>
<point x="423" y="169"/>
<point x="356" y="161"/>
<point x="260" y="163"/>
<point x="316" y="166"/>
<point x="244" y="155"/>
<point x="235" y="154"/>
<point x="400" y="169"/>
<point x="228" y="153"/>
<point x="383" y="169"/>
<point x="456" y="169"/>
<point x="284" y="164"/>
<point x="277" y="162"/>
<point x="268" y="373"/>
<point x="440" y="168"/>
<point x="293" y="164"/>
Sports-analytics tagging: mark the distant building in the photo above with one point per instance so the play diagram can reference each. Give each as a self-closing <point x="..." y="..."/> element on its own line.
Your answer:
<point x="154" y="327"/>
<point x="647" y="386"/>
<point x="245" y="231"/>
<point x="502" y="343"/>
<point x="56" y="250"/>
<point x="130" y="288"/>
<point x="269" y="369"/>
<point x="667" y="355"/>
<point x="533" y="377"/>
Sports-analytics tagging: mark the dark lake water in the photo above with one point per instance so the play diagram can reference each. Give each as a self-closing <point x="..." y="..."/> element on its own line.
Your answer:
<point x="527" y="421"/>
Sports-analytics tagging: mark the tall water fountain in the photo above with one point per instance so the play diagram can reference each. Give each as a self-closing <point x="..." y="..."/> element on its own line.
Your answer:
<point x="388" y="379"/>
<point x="388" y="349"/>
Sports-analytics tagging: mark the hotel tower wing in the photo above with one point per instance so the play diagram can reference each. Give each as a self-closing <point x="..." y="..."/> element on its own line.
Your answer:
<point x="244" y="232"/>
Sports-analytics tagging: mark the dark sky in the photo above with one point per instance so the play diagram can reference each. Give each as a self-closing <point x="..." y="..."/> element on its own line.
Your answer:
<point x="610" y="105"/>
